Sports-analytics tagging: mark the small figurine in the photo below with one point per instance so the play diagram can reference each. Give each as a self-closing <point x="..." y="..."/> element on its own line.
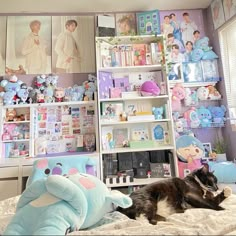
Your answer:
<point x="59" y="94"/>
<point x="40" y="97"/>
<point x="10" y="114"/>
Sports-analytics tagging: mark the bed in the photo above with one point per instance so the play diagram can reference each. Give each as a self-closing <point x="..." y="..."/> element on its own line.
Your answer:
<point x="192" y="222"/>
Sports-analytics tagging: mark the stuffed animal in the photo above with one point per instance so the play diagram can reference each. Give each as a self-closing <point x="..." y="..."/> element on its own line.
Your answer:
<point x="158" y="112"/>
<point x="202" y="93"/>
<point x="189" y="151"/>
<point x="204" y="116"/>
<point x="59" y="94"/>
<point x="202" y="51"/>
<point x="58" y="205"/>
<point x="178" y="94"/>
<point x="213" y="93"/>
<point x="90" y="86"/>
<point x="218" y="114"/>
<point x="149" y="88"/>
<point x="23" y="93"/>
<point x="40" y="82"/>
<point x="11" y="87"/>
<point x="191" y="116"/>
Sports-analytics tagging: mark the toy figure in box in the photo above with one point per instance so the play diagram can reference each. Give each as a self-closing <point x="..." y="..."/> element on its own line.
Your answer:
<point x="189" y="151"/>
<point x="191" y="98"/>
<point x="59" y="94"/>
<point x="149" y="88"/>
<point x="205" y="116"/>
<point x="202" y="93"/>
<point x="57" y="205"/>
<point x="218" y="114"/>
<point x="191" y="116"/>
<point x="178" y="94"/>
<point x="158" y="112"/>
<point x="213" y="93"/>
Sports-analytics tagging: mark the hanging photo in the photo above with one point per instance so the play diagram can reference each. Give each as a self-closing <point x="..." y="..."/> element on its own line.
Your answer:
<point x="125" y="24"/>
<point x="217" y="13"/>
<point x="28" y="48"/>
<point x="73" y="46"/>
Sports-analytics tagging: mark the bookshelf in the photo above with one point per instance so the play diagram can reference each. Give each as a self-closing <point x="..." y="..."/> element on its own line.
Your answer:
<point x="128" y="123"/>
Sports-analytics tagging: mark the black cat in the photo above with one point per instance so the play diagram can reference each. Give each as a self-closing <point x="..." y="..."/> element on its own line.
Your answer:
<point x="196" y="190"/>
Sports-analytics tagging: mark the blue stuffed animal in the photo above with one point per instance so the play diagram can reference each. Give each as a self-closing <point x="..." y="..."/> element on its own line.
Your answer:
<point x="58" y="205"/>
<point x="218" y="114"/>
<point x="204" y="116"/>
<point x="158" y="112"/>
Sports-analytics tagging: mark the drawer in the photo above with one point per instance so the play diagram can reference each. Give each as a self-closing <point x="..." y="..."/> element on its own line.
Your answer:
<point x="26" y="170"/>
<point x="9" y="172"/>
<point x="8" y="188"/>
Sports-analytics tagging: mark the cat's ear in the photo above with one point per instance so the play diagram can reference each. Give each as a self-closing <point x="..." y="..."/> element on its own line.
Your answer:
<point x="205" y="168"/>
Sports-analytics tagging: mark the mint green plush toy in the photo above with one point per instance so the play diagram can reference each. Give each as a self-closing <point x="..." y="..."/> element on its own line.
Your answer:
<point x="58" y="205"/>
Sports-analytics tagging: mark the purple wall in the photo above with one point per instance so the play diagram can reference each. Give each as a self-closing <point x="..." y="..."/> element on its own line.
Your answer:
<point x="226" y="132"/>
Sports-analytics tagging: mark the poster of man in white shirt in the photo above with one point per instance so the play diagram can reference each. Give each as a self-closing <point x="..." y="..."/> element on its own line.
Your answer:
<point x="29" y="43"/>
<point x="187" y="27"/>
<point x="73" y="47"/>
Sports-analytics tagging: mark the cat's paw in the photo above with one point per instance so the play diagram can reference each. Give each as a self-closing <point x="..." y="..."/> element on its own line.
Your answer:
<point x="227" y="191"/>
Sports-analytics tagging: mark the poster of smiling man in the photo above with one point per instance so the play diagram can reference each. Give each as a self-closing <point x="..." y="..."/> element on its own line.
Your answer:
<point x="73" y="46"/>
<point x="29" y="44"/>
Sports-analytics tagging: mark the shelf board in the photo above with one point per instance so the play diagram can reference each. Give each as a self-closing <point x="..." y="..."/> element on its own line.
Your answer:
<point x="128" y="149"/>
<point x="136" y="182"/>
<point x="132" y="122"/>
<point x="50" y="104"/>
<point x="17" y="140"/>
<point x="125" y="69"/>
<point x="16" y="122"/>
<point x="133" y="98"/>
<point x="194" y="84"/>
<point x="114" y="40"/>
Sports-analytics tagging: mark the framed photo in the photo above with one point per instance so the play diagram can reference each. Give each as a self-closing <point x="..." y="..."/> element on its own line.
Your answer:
<point x="210" y="70"/>
<point x="112" y="109"/>
<point x="207" y="149"/>
<point x="175" y="73"/>
<point x="217" y="13"/>
<point x="120" y="136"/>
<point x="125" y="24"/>
<point x="229" y="8"/>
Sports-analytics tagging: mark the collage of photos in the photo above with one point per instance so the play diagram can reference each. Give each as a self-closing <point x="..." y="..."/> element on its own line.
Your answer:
<point x="61" y="126"/>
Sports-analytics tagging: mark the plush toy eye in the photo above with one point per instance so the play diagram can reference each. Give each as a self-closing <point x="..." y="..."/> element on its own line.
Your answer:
<point x="47" y="171"/>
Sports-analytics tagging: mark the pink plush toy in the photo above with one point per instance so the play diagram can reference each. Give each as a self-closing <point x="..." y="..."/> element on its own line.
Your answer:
<point x="149" y="88"/>
<point x="178" y="94"/>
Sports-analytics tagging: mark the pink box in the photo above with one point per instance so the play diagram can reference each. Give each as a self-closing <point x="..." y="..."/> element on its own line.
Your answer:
<point x="115" y="92"/>
<point x="122" y="83"/>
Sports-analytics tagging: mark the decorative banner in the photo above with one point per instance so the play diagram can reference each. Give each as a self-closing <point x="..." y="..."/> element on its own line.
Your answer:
<point x="28" y="44"/>
<point x="73" y="46"/>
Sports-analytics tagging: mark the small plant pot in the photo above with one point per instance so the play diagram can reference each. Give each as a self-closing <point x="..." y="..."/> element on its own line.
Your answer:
<point x="220" y="157"/>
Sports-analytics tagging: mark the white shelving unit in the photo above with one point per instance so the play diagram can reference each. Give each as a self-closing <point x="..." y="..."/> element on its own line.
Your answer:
<point x="103" y="53"/>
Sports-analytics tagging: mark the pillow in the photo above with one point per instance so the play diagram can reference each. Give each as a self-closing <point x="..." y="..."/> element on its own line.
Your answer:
<point x="224" y="171"/>
<point x="62" y="166"/>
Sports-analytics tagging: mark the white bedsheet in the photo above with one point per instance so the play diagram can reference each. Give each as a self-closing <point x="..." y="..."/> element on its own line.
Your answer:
<point x="192" y="222"/>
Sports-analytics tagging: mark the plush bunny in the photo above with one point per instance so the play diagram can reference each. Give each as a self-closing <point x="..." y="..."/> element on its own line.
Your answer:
<point x="58" y="205"/>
